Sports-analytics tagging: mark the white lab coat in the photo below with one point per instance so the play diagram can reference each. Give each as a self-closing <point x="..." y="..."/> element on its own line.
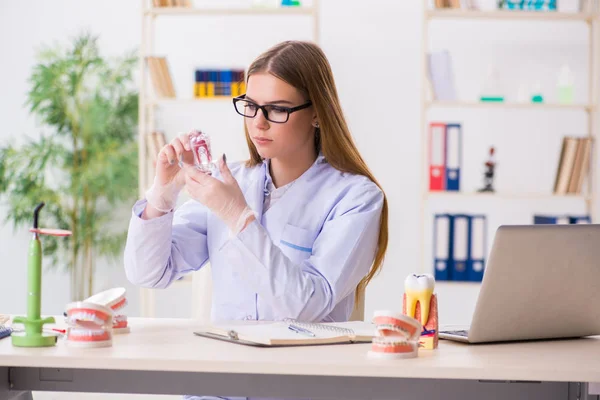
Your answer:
<point x="302" y="258"/>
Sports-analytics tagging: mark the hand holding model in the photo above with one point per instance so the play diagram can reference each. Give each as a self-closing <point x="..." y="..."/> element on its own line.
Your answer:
<point x="224" y="198"/>
<point x="169" y="178"/>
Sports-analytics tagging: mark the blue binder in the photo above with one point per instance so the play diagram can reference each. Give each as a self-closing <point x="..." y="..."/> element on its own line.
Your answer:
<point x="459" y="255"/>
<point x="581" y="219"/>
<point x="551" y="219"/>
<point x="453" y="156"/>
<point x="442" y="236"/>
<point x="477" y="247"/>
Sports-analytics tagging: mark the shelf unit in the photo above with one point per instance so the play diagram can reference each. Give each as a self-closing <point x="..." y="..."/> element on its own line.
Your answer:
<point x="148" y="104"/>
<point x="592" y="21"/>
<point x="505" y="195"/>
<point x="507" y="15"/>
<point x="231" y="11"/>
<point x="509" y="105"/>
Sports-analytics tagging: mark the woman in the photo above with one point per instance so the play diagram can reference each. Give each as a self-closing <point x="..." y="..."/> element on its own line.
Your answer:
<point x="297" y="231"/>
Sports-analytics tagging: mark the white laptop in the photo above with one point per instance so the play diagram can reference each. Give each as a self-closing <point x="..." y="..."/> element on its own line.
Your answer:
<point x="540" y="282"/>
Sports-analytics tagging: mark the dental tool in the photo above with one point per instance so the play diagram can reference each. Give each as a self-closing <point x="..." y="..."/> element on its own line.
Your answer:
<point x="33" y="334"/>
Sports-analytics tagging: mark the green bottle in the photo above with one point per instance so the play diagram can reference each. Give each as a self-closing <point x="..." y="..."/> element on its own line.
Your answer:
<point x="565" y="85"/>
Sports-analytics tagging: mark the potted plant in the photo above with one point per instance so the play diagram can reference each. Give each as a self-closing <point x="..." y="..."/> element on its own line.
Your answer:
<point x="84" y="165"/>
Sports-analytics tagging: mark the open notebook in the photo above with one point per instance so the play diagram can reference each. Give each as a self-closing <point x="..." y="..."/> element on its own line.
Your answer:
<point x="291" y="333"/>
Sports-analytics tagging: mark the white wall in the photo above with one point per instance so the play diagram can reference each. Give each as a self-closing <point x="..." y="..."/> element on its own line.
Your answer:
<point x="374" y="48"/>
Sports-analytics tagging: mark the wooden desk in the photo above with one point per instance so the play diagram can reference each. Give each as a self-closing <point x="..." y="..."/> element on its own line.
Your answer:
<point x="162" y="356"/>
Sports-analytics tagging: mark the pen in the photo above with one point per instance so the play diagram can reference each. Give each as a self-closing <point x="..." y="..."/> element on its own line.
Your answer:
<point x="302" y="331"/>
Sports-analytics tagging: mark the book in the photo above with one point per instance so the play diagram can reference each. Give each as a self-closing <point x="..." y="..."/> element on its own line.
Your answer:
<point x="290" y="333"/>
<point x="160" y="77"/>
<point x="441" y="75"/>
<point x="565" y="165"/>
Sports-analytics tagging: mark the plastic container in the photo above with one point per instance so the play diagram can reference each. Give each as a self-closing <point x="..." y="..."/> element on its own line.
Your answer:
<point x="565" y="85"/>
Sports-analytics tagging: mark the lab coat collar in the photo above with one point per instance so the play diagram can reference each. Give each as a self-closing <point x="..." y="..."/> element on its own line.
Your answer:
<point x="255" y="193"/>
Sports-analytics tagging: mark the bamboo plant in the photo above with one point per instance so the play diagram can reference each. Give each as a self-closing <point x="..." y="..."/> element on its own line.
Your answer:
<point x="83" y="164"/>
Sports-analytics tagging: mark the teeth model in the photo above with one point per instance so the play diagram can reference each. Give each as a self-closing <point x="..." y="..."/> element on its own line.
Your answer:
<point x="419" y="288"/>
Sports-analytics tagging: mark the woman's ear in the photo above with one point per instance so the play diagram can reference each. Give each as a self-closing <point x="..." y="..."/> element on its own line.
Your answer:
<point x="315" y="122"/>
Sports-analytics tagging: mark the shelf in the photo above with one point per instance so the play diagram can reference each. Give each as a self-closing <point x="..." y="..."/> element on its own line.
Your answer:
<point x="507" y="195"/>
<point x="230" y="11"/>
<point x="509" y="15"/>
<point x="508" y="105"/>
<point x="167" y="101"/>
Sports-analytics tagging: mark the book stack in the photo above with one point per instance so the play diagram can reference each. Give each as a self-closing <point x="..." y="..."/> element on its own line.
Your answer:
<point x="573" y="165"/>
<point x="161" y="77"/>
<point x="219" y="83"/>
<point x="172" y="3"/>
<point x="450" y="3"/>
<point x="459" y="247"/>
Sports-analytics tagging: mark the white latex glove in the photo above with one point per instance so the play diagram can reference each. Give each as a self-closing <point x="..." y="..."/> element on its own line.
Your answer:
<point x="225" y="199"/>
<point x="169" y="177"/>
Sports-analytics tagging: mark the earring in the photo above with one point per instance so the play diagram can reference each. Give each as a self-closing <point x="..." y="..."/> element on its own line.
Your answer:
<point x="316" y="125"/>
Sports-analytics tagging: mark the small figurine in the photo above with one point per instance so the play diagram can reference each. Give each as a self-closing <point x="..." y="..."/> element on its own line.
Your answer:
<point x="488" y="179"/>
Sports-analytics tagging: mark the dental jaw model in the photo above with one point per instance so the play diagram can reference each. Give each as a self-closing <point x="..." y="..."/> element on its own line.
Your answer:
<point x="116" y="300"/>
<point x="398" y="336"/>
<point x="200" y="145"/>
<point x="90" y="325"/>
<point x="420" y="302"/>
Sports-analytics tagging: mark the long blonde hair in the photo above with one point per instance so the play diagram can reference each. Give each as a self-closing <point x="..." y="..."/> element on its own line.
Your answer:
<point x="305" y="66"/>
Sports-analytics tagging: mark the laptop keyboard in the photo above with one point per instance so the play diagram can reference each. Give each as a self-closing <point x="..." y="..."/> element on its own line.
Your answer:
<point x="464" y="333"/>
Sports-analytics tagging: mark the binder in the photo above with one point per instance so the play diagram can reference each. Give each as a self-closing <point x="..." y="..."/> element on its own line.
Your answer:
<point x="441" y="246"/>
<point x="453" y="156"/>
<point x="477" y="247"/>
<point x="551" y="219"/>
<point x="437" y="156"/>
<point x="582" y="219"/>
<point x="459" y="254"/>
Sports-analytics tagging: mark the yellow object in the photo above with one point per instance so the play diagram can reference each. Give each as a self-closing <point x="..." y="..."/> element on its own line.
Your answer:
<point x="210" y="89"/>
<point x="419" y="288"/>
<point x="426" y="342"/>
<point x="235" y="89"/>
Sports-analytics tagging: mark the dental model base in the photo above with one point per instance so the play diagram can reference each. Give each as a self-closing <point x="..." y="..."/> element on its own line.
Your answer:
<point x="200" y="145"/>
<point x="420" y="302"/>
<point x="33" y="335"/>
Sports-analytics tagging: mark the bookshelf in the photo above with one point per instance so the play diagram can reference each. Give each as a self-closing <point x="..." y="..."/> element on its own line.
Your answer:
<point x="508" y="105"/>
<point x="150" y="104"/>
<point x="230" y="11"/>
<point x="587" y="110"/>
<point x="506" y="15"/>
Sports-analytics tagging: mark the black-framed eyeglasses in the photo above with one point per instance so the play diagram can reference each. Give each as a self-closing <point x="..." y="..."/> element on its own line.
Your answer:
<point x="273" y="113"/>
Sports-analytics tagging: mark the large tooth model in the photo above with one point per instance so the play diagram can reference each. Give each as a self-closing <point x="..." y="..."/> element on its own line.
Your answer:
<point x="420" y="302"/>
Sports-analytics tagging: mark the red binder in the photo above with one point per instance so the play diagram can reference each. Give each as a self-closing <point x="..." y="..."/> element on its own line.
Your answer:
<point x="437" y="156"/>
